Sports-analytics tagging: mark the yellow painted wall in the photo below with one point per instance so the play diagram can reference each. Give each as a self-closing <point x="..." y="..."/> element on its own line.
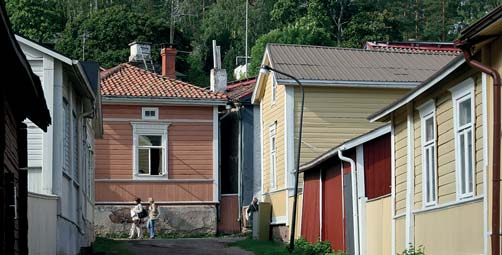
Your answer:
<point x="400" y="234"/>
<point x="457" y="230"/>
<point x="378" y="226"/>
<point x="271" y="113"/>
<point x="400" y="152"/>
<point x="278" y="202"/>
<point x="333" y="115"/>
<point x="298" y="214"/>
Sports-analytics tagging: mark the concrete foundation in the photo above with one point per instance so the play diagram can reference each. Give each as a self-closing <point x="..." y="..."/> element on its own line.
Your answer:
<point x="173" y="219"/>
<point x="280" y="233"/>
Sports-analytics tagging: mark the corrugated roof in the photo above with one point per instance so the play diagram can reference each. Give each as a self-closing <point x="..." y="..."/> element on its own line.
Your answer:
<point x="126" y="80"/>
<point x="307" y="62"/>
<point x="239" y="89"/>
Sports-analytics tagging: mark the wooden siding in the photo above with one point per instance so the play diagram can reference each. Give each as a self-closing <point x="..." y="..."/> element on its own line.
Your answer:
<point x="189" y="148"/>
<point x="165" y="112"/>
<point x="310" y="216"/>
<point x="377" y="164"/>
<point x="400" y="153"/>
<point x="446" y="175"/>
<point x="189" y="152"/>
<point x="333" y="115"/>
<point x="161" y="191"/>
<point x="273" y="113"/>
<point x="333" y="218"/>
<point x="228" y="222"/>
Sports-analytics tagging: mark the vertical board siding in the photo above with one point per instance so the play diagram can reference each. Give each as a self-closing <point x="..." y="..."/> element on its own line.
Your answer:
<point x="229" y="211"/>
<point x="333" y="225"/>
<point x="377" y="165"/>
<point x="310" y="211"/>
<point x="161" y="191"/>
<point x="273" y="112"/>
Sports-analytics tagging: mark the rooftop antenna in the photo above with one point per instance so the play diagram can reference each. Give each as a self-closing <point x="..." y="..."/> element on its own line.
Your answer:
<point x="246" y="51"/>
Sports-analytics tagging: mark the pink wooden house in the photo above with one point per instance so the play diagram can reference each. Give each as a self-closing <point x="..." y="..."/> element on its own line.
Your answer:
<point x="161" y="141"/>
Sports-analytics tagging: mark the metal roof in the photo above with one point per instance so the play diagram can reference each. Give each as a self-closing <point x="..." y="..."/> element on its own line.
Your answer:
<point x="321" y="63"/>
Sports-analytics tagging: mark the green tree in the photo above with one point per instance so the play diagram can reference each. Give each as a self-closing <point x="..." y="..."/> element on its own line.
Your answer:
<point x="109" y="31"/>
<point x="35" y="19"/>
<point x="301" y="32"/>
<point x="371" y="26"/>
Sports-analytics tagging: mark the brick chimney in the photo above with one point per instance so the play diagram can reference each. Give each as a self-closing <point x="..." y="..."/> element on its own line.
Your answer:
<point x="168" y="62"/>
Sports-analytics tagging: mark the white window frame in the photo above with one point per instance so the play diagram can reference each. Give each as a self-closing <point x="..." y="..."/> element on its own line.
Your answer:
<point x="273" y="94"/>
<point x="158" y="129"/>
<point x="148" y="109"/>
<point x="429" y="168"/>
<point x="460" y="93"/>
<point x="273" y="155"/>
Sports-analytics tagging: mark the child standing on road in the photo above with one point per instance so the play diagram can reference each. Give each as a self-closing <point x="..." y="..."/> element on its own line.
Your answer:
<point x="136" y="220"/>
<point x="153" y="215"/>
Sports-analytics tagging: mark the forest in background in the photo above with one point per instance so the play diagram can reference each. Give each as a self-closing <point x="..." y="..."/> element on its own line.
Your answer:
<point x="101" y="30"/>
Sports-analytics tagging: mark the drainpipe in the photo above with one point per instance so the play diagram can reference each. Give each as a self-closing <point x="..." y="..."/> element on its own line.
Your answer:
<point x="466" y="49"/>
<point x="354" y="197"/>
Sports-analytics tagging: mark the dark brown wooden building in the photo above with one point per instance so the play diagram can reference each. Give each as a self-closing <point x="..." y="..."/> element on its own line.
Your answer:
<point x="21" y="97"/>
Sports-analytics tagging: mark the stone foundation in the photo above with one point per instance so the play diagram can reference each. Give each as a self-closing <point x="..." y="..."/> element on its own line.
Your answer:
<point x="280" y="233"/>
<point x="178" y="219"/>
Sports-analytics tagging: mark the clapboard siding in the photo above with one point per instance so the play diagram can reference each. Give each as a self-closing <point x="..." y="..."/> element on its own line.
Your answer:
<point x="35" y="134"/>
<point x="190" y="145"/>
<point x="165" y="112"/>
<point x="333" y="115"/>
<point x="400" y="151"/>
<point x="161" y="191"/>
<point x="273" y="113"/>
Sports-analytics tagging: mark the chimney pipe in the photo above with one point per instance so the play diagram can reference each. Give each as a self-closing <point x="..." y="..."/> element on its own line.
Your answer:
<point x="168" y="56"/>
<point x="218" y="76"/>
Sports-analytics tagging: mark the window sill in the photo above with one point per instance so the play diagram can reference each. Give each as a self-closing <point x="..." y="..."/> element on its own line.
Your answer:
<point x="449" y="204"/>
<point x="146" y="177"/>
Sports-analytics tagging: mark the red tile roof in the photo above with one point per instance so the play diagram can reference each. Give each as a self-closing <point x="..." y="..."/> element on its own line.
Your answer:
<point x="238" y="89"/>
<point x="126" y="80"/>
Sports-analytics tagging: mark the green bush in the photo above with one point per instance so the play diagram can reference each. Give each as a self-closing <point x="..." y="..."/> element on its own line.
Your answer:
<point x="413" y="251"/>
<point x="303" y="247"/>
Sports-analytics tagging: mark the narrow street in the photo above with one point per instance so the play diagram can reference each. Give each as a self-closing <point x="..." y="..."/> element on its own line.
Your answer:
<point x="186" y="246"/>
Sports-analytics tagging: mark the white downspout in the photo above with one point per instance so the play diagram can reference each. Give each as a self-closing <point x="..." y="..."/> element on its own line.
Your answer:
<point x="353" y="180"/>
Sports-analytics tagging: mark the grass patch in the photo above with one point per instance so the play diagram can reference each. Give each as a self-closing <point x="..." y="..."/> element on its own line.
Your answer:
<point x="259" y="247"/>
<point x="109" y="246"/>
<point x="302" y="247"/>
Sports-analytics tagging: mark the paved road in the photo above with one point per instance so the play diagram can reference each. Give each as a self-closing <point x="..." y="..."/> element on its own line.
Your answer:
<point x="186" y="246"/>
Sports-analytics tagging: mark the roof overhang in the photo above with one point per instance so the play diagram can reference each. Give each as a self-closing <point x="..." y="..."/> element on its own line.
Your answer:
<point x="427" y="84"/>
<point x="259" y="88"/>
<point x="359" y="84"/>
<point x="161" y="101"/>
<point x="490" y="24"/>
<point x="375" y="133"/>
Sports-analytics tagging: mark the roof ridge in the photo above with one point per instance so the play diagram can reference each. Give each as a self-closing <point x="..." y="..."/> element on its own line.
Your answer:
<point x="355" y="49"/>
<point x="111" y="71"/>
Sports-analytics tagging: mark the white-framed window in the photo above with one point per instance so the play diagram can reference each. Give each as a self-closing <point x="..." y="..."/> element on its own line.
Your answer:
<point x="464" y="122"/>
<point x="274" y="90"/>
<point x="429" y="152"/>
<point x="150" y="113"/>
<point x="273" y="156"/>
<point x="149" y="150"/>
<point x="66" y="136"/>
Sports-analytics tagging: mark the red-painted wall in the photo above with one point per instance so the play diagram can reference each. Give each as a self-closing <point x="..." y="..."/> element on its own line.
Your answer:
<point x="310" y="214"/>
<point x="377" y="163"/>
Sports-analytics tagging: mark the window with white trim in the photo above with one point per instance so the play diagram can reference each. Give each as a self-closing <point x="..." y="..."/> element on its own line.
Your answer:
<point x="150" y="150"/>
<point x="150" y="113"/>
<point x="274" y="90"/>
<point x="273" y="157"/>
<point x="463" y="115"/>
<point x="429" y="160"/>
